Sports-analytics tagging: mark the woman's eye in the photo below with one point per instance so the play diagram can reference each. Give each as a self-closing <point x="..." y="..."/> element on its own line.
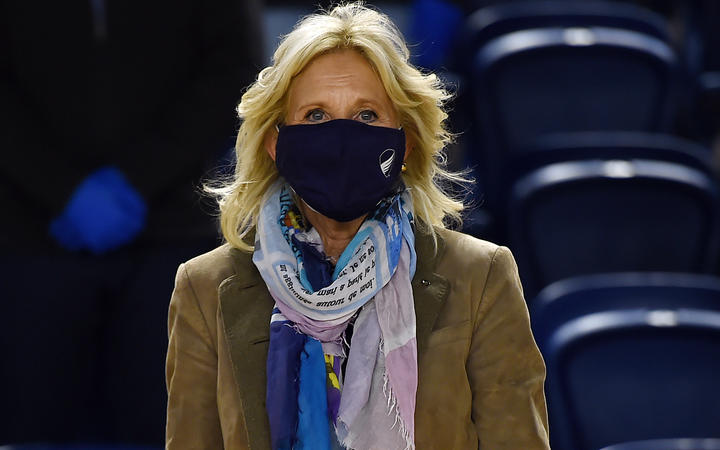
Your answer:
<point x="367" y="115"/>
<point x="316" y="115"/>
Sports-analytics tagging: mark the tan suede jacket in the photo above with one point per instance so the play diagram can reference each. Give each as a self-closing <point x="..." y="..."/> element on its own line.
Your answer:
<point x="480" y="373"/>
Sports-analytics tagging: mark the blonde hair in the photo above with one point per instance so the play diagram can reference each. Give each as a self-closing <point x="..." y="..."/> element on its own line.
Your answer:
<point x="419" y="99"/>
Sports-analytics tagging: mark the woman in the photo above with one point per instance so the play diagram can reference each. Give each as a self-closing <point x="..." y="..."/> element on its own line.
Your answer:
<point x="341" y="313"/>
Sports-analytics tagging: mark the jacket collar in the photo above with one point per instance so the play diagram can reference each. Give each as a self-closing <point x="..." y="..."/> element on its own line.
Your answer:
<point x="246" y="308"/>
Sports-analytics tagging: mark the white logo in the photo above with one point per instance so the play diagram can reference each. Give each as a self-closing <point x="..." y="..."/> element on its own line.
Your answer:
<point x="386" y="160"/>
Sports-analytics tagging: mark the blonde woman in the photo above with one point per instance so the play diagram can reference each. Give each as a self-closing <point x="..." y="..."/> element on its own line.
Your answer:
<point x="341" y="313"/>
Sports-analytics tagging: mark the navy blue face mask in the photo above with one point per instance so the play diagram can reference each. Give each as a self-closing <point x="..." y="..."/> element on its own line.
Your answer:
<point x="341" y="168"/>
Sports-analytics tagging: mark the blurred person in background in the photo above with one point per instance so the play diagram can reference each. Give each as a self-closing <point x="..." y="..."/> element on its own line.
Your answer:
<point x="111" y="111"/>
<point x="342" y="313"/>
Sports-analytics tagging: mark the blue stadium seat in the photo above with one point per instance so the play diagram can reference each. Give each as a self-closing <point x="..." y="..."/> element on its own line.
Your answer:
<point x="493" y="21"/>
<point x="568" y="298"/>
<point x="533" y="82"/>
<point x="570" y="146"/>
<point x="630" y="362"/>
<point x="594" y="216"/>
<point x="530" y="83"/>
<point x="669" y="444"/>
<point x="586" y="145"/>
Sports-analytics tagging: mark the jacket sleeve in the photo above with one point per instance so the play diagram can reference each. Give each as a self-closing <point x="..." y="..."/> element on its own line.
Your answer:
<point x="505" y="368"/>
<point x="193" y="420"/>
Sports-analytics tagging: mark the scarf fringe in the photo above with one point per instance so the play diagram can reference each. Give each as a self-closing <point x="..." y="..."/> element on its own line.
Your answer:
<point x="393" y="409"/>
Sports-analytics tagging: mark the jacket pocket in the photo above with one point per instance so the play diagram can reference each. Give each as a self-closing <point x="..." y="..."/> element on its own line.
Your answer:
<point x="260" y="340"/>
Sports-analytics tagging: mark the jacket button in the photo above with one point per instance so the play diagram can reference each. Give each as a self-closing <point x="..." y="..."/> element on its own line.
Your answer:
<point x="425" y="283"/>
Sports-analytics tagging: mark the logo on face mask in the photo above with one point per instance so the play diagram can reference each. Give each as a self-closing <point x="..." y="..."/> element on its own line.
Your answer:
<point x="386" y="160"/>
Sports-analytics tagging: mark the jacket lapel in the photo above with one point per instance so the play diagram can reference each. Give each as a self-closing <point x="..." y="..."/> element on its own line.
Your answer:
<point x="246" y="308"/>
<point x="429" y="289"/>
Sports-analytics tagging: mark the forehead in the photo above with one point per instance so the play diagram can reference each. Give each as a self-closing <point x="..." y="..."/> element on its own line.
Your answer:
<point x="337" y="71"/>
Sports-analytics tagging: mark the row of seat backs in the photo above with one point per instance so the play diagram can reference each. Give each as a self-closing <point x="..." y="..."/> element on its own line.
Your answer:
<point x="574" y="100"/>
<point x="565" y="95"/>
<point x="630" y="356"/>
<point x="534" y="69"/>
<point x="587" y="202"/>
<point x="532" y="83"/>
<point x="488" y="23"/>
<point x="582" y="145"/>
<point x="597" y="214"/>
<point x="535" y="81"/>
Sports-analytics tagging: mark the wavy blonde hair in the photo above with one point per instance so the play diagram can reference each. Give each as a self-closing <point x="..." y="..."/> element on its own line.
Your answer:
<point x="419" y="99"/>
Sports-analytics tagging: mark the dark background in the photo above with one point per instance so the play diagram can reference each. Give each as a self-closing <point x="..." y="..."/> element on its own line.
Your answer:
<point x="591" y="130"/>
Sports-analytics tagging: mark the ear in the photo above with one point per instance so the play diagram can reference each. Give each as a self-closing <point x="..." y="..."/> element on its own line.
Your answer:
<point x="270" y="142"/>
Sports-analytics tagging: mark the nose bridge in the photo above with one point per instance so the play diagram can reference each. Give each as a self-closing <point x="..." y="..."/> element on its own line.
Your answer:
<point x="342" y="103"/>
<point x="343" y="139"/>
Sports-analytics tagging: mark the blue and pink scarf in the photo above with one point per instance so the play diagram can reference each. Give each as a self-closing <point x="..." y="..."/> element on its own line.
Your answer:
<point x="311" y="403"/>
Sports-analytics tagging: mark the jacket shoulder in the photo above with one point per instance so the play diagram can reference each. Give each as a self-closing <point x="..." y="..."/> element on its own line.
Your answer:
<point x="206" y="272"/>
<point x="465" y="248"/>
<point x="467" y="259"/>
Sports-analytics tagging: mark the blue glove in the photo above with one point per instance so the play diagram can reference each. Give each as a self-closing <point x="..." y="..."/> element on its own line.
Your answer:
<point x="104" y="212"/>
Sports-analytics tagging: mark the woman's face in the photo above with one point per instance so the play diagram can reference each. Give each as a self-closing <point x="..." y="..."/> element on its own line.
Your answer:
<point x="337" y="85"/>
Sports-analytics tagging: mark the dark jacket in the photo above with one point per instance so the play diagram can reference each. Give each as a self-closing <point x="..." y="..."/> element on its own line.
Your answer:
<point x="147" y="86"/>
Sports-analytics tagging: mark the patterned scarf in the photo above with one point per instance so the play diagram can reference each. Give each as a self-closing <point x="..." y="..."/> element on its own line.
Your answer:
<point x="310" y="402"/>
